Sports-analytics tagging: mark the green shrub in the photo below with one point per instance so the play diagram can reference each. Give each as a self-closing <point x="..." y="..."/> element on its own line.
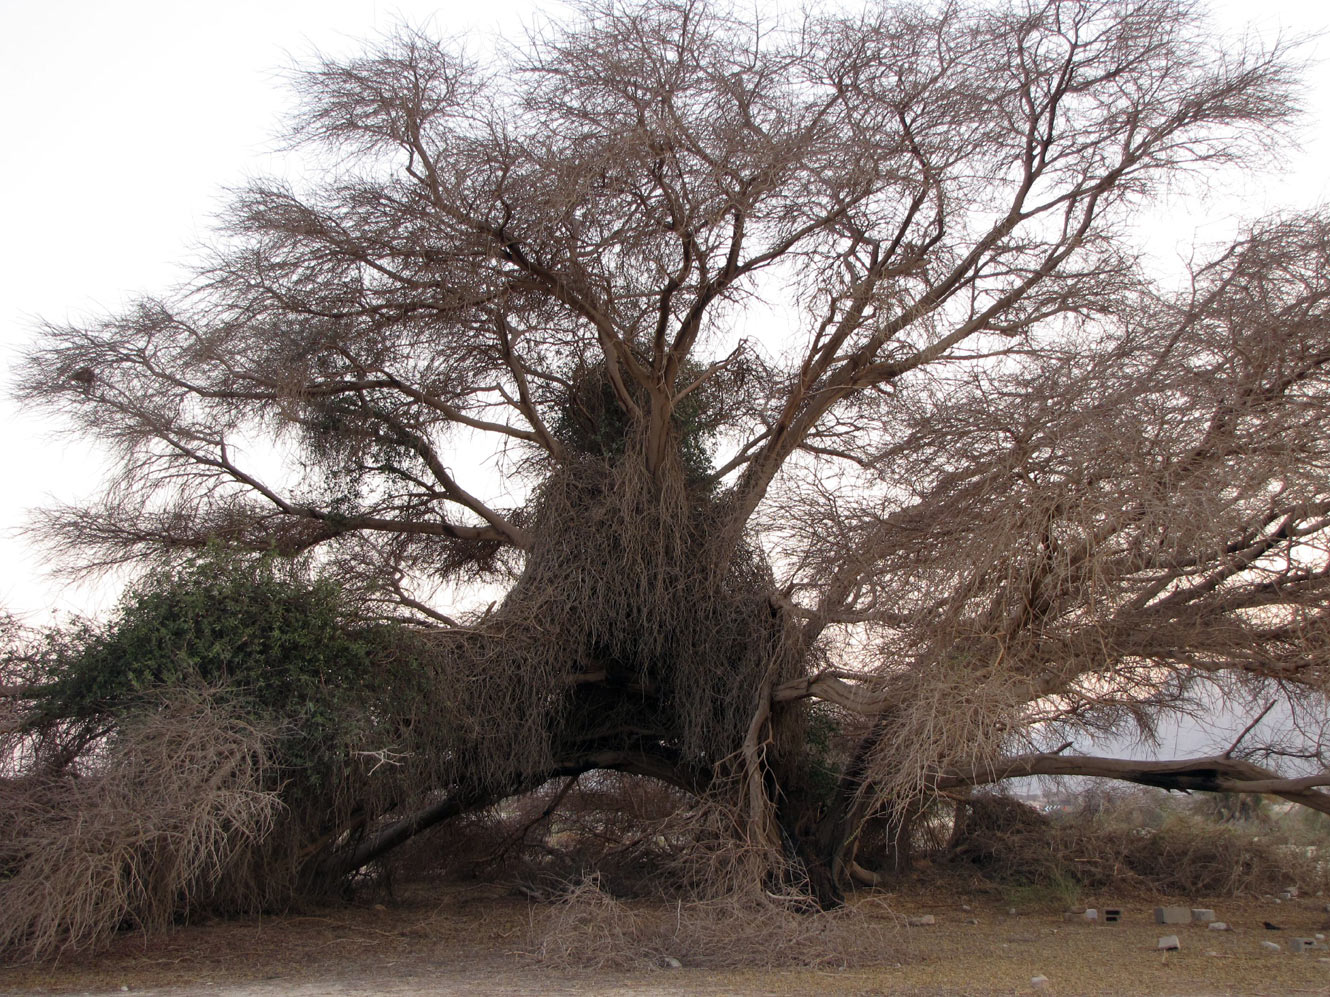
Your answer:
<point x="280" y="646"/>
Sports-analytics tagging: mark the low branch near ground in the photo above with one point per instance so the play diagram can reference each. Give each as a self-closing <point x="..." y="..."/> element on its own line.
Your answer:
<point x="468" y="801"/>
<point x="1210" y="774"/>
<point x="402" y="831"/>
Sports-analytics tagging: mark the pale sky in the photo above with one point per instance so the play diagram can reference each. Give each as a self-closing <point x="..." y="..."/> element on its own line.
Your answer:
<point x="124" y="121"/>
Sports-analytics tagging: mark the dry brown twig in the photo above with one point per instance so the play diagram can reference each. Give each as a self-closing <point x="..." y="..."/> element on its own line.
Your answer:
<point x="149" y="835"/>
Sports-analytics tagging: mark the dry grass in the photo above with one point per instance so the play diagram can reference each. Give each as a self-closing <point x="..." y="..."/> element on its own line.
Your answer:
<point x="145" y="837"/>
<point x="465" y="940"/>
<point x="728" y="907"/>
<point x="586" y="928"/>
<point x="1172" y="850"/>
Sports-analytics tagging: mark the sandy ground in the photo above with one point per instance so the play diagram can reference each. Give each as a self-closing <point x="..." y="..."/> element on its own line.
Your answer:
<point x="472" y="942"/>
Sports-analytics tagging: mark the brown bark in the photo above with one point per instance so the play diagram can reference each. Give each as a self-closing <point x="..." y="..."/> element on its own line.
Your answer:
<point x="1210" y="774"/>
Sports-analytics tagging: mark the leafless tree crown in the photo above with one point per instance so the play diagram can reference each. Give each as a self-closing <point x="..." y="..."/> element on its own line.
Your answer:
<point x="984" y="479"/>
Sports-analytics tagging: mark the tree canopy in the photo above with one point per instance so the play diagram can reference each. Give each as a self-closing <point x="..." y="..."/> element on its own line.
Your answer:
<point x="748" y="363"/>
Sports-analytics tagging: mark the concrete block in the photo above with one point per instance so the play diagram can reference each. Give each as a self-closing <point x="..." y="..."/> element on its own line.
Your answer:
<point x="1202" y="915"/>
<point x="924" y="921"/>
<point x="1172" y="915"/>
<point x="1112" y="915"/>
<point x="1302" y="944"/>
<point x="1091" y="914"/>
<point x="1217" y="926"/>
<point x="1169" y="943"/>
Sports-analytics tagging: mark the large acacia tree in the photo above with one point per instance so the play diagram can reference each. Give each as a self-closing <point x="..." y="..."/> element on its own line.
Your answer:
<point x="737" y="365"/>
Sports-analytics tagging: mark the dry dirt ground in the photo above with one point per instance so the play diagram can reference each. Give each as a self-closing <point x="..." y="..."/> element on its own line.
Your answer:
<point x="461" y="941"/>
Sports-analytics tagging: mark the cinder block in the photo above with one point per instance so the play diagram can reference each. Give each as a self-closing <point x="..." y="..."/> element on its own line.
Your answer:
<point x="1112" y="915"/>
<point x="1172" y="915"/>
<point x="1301" y="944"/>
<point x="1169" y="943"/>
<point x="1202" y="915"/>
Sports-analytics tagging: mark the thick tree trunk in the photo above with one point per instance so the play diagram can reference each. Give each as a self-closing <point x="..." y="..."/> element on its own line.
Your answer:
<point x="839" y="828"/>
<point x="820" y="830"/>
<point x="798" y="815"/>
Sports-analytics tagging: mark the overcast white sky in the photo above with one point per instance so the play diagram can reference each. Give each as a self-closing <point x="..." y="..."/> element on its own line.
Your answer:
<point x="123" y="121"/>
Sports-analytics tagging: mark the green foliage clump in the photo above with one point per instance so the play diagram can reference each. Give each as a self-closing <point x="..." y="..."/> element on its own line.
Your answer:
<point x="219" y="744"/>
<point x="823" y="750"/>
<point x="590" y="421"/>
<point x="281" y="646"/>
